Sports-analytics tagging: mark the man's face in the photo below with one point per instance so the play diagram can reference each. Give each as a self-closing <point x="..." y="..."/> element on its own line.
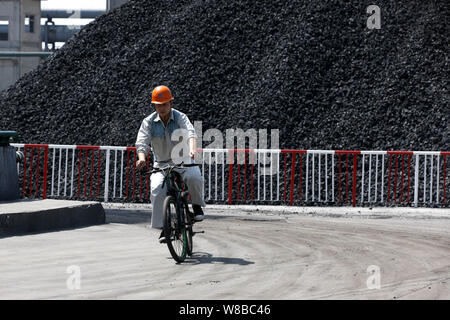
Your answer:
<point x="163" y="109"/>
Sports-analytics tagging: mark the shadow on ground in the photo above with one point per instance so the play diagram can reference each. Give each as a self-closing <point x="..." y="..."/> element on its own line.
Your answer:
<point x="204" y="258"/>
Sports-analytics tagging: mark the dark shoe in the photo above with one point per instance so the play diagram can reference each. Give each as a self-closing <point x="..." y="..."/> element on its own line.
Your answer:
<point x="162" y="238"/>
<point x="198" y="212"/>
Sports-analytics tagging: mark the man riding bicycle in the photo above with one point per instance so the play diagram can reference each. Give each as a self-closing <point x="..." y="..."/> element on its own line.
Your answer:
<point x="157" y="130"/>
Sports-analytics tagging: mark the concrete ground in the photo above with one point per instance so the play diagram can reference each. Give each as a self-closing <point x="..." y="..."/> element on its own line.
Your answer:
<point x="246" y="252"/>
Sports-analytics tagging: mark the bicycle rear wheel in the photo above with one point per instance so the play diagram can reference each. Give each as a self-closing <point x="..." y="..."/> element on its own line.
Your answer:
<point x="174" y="230"/>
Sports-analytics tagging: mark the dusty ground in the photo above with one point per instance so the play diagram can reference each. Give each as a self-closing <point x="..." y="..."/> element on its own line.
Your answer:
<point x="243" y="254"/>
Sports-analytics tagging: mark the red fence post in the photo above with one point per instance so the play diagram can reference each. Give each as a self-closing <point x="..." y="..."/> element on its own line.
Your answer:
<point x="128" y="171"/>
<point x="79" y="173"/>
<point x="409" y="174"/>
<point x="285" y="155"/>
<point x="354" y="177"/>
<point x="346" y="178"/>
<point x="389" y="178"/>
<point x="300" y="183"/>
<point x="92" y="173"/>
<point x="134" y="171"/>
<point x="37" y="172"/>
<point x="291" y="201"/>
<point x="24" y="170"/>
<point x="395" y="181"/>
<point x="245" y="174"/>
<point x="444" y="174"/>
<point x="252" y="160"/>
<point x="239" y="174"/>
<point x="140" y="183"/>
<point x="401" y="188"/>
<point x="148" y="177"/>
<point x="85" y="170"/>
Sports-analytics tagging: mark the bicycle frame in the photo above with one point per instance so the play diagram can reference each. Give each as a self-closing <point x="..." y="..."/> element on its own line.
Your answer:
<point x="173" y="189"/>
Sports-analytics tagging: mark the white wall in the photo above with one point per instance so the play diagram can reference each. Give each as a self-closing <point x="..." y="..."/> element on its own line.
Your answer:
<point x="9" y="72"/>
<point x="10" y="10"/>
<point x="30" y="42"/>
<point x="11" y="69"/>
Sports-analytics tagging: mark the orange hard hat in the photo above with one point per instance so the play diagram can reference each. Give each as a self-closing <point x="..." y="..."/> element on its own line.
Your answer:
<point x="161" y="94"/>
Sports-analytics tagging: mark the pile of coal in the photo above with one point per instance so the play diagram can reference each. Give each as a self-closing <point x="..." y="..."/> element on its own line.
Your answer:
<point x="312" y="69"/>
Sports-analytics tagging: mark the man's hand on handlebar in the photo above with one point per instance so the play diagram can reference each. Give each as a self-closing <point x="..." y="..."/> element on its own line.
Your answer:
<point x="140" y="165"/>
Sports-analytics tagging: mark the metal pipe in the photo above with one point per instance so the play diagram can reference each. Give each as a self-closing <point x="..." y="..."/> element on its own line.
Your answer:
<point x="24" y="54"/>
<point x="19" y="156"/>
<point x="77" y="14"/>
<point x="61" y="33"/>
<point x="47" y="32"/>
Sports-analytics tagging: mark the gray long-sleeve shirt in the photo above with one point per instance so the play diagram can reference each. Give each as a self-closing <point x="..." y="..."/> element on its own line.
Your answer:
<point x="154" y="133"/>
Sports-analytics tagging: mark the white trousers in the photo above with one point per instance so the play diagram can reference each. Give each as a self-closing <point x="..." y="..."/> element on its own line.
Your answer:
<point x="192" y="177"/>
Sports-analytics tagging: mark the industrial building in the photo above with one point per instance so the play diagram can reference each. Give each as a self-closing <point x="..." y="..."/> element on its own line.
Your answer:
<point x="24" y="42"/>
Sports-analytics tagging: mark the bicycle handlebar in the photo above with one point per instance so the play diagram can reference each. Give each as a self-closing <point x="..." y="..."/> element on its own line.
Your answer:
<point x="180" y="165"/>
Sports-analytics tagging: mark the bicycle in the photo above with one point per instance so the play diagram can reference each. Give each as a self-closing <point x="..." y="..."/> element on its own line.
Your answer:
<point x="177" y="219"/>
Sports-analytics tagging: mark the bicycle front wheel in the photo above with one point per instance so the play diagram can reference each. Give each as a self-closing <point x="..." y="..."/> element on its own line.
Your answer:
<point x="174" y="229"/>
<point x="190" y="243"/>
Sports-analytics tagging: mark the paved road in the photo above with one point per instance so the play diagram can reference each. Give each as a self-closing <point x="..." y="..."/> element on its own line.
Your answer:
<point x="242" y="255"/>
